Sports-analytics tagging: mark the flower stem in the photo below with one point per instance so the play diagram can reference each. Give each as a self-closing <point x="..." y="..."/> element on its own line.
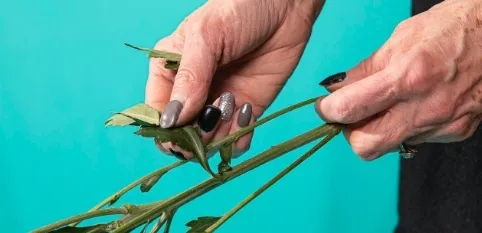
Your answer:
<point x="251" y="197"/>
<point x="231" y="138"/>
<point x="242" y="168"/>
<point x="81" y="217"/>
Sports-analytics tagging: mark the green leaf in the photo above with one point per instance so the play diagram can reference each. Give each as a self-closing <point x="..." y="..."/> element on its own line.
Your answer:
<point x="186" y="137"/>
<point x="201" y="224"/>
<point x="137" y="115"/>
<point x="170" y="57"/>
<point x="172" y="65"/>
<point x="120" y="120"/>
<point x="143" y="113"/>
<point x="101" y="228"/>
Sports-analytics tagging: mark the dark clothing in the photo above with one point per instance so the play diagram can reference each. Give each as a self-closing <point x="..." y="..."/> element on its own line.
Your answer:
<point x="441" y="188"/>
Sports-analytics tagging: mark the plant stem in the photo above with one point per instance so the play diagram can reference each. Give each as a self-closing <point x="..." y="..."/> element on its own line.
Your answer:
<point x="114" y="197"/>
<point x="242" y="168"/>
<point x="251" y="197"/>
<point x="231" y="138"/>
<point x="81" y="217"/>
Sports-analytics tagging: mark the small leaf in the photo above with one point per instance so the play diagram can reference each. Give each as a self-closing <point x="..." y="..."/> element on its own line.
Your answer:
<point x="143" y="113"/>
<point x="186" y="137"/>
<point x="201" y="224"/>
<point x="120" y="120"/>
<point x="170" y="57"/>
<point x="148" y="184"/>
<point x="101" y="228"/>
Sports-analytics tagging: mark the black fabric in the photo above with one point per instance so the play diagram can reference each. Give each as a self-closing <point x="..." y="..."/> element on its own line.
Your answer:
<point x="441" y="188"/>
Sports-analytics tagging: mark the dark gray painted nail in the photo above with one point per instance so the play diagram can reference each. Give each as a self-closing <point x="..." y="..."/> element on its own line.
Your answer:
<point x="178" y="155"/>
<point x="332" y="79"/>
<point x="226" y="105"/>
<point x="208" y="118"/>
<point x="244" y="116"/>
<point x="170" y="114"/>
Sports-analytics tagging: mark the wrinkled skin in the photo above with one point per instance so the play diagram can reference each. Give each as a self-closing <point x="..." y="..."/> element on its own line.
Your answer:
<point x="249" y="48"/>
<point x="423" y="85"/>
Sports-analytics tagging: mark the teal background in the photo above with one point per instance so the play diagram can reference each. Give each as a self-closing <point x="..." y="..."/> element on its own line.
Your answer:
<point x="64" y="69"/>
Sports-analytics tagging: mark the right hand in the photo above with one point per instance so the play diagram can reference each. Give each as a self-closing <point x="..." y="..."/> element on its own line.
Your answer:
<point x="246" y="47"/>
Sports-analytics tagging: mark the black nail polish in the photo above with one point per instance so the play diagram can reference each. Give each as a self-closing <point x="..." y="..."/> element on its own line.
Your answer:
<point x="336" y="78"/>
<point x="208" y="118"/>
<point x="178" y="155"/>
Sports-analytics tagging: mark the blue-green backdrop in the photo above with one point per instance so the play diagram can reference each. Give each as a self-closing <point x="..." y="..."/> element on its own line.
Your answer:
<point x="64" y="69"/>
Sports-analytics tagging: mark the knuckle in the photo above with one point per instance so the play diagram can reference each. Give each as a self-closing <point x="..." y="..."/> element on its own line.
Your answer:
<point x="186" y="78"/>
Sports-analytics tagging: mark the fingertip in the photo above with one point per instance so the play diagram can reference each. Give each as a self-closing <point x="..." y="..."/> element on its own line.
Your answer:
<point x="318" y="108"/>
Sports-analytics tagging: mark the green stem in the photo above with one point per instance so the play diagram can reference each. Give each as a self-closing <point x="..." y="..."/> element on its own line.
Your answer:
<point x="81" y="217"/>
<point x="231" y="138"/>
<point x="242" y="168"/>
<point x="251" y="197"/>
<point x="114" y="197"/>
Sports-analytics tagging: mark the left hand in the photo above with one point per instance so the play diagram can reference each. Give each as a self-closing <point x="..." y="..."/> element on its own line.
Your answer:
<point x="423" y="85"/>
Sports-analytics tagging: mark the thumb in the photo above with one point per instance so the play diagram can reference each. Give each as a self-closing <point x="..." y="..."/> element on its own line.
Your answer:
<point x="191" y="83"/>
<point x="365" y="68"/>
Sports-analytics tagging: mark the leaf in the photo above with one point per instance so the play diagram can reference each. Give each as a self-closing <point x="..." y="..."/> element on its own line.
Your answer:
<point x="143" y="113"/>
<point x="101" y="228"/>
<point x="201" y="224"/>
<point x="186" y="137"/>
<point x="171" y="65"/>
<point x="170" y="57"/>
<point x="148" y="184"/>
<point x="137" y="115"/>
<point x="120" y="120"/>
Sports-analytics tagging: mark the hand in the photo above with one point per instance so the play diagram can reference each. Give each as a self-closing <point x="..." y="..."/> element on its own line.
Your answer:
<point x="246" y="48"/>
<point x="423" y="85"/>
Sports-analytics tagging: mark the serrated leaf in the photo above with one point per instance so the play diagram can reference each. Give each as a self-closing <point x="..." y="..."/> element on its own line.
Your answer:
<point x="186" y="137"/>
<point x="201" y="224"/>
<point x="169" y="56"/>
<point x="101" y="228"/>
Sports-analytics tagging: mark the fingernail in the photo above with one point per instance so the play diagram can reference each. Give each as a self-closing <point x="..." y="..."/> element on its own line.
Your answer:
<point x="208" y="118"/>
<point x="336" y="78"/>
<point x="170" y="114"/>
<point x="244" y="116"/>
<point x="226" y="105"/>
<point x="178" y="155"/>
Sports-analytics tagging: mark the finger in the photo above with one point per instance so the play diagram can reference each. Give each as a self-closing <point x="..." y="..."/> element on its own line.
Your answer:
<point x="359" y="100"/>
<point x="191" y="84"/>
<point x="241" y="119"/>
<point x="379" y="136"/>
<point x="159" y="82"/>
<point x="365" y="68"/>
<point x="456" y="131"/>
